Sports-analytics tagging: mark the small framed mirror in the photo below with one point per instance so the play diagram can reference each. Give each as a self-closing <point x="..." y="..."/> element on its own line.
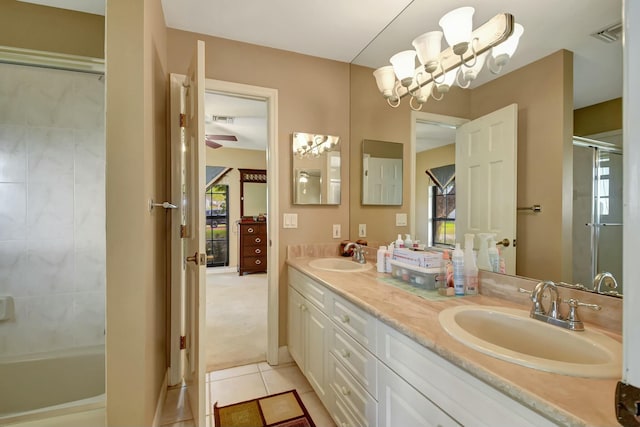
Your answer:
<point x="381" y="173"/>
<point x="253" y="192"/>
<point x="316" y="169"/>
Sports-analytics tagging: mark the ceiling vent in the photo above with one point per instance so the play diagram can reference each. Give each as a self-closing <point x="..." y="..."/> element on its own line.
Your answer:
<point x="610" y="34"/>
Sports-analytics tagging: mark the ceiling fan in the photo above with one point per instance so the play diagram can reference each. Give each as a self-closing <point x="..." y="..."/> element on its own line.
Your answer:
<point x="210" y="140"/>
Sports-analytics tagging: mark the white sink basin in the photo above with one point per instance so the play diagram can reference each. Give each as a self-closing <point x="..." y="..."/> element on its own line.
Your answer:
<point x="338" y="264"/>
<point x="511" y="335"/>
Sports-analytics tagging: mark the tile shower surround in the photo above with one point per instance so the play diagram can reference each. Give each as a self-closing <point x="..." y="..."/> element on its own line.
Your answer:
<point x="52" y="209"/>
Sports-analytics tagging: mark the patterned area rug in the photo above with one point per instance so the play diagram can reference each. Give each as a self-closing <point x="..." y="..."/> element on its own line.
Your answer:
<point x="277" y="410"/>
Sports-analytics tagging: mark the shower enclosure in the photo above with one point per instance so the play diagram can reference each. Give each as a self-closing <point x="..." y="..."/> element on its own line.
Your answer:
<point x="597" y="210"/>
<point x="52" y="237"/>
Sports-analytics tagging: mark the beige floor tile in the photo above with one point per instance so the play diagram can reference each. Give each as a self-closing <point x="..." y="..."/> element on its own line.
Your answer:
<point x="316" y="409"/>
<point x="283" y="379"/>
<point x="232" y="372"/>
<point x="237" y="389"/>
<point x="176" y="407"/>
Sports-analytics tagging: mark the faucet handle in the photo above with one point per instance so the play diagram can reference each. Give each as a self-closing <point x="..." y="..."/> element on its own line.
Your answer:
<point x="573" y="310"/>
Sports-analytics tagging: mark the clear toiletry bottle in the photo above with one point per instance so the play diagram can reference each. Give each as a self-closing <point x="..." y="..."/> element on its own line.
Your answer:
<point x="483" y="253"/>
<point x="470" y="268"/>
<point x="457" y="259"/>
<point x="408" y="243"/>
<point x="380" y="259"/>
<point x="494" y="255"/>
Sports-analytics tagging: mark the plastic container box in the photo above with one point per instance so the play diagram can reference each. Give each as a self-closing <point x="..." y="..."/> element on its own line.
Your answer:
<point x="426" y="278"/>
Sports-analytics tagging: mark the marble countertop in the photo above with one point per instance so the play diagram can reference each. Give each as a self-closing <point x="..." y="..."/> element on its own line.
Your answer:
<point x="565" y="400"/>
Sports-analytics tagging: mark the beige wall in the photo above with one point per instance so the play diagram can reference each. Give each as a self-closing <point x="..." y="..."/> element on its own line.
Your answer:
<point x="50" y="29"/>
<point x="603" y="117"/>
<point x="428" y="159"/>
<point x="137" y="267"/>
<point x="373" y="118"/>
<point x="313" y="97"/>
<point x="235" y="158"/>
<point x="543" y="91"/>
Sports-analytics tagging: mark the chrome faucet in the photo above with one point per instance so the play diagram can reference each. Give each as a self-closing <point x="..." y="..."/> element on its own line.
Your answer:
<point x="552" y="314"/>
<point x="604" y="278"/>
<point x="358" y="252"/>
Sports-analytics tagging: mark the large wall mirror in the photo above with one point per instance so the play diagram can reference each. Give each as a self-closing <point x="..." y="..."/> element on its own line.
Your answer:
<point x="253" y="192"/>
<point x="381" y="173"/>
<point x="316" y="169"/>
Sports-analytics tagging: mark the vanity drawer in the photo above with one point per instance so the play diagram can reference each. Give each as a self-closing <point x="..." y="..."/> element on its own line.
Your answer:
<point x="310" y="289"/>
<point x="355" y="321"/>
<point x="355" y="358"/>
<point x="346" y="389"/>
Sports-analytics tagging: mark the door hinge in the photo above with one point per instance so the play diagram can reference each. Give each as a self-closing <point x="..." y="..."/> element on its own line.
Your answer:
<point x="183" y="231"/>
<point x="183" y="120"/>
<point x="183" y="342"/>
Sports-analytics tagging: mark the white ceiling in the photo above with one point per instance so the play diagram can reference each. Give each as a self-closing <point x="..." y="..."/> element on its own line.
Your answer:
<point x="249" y="120"/>
<point x="368" y="32"/>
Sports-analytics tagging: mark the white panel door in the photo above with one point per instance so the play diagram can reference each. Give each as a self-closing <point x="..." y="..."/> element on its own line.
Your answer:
<point x="486" y="180"/>
<point x="193" y="236"/>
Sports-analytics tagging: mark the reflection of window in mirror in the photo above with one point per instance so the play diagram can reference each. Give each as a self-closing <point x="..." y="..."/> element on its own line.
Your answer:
<point x="443" y="215"/>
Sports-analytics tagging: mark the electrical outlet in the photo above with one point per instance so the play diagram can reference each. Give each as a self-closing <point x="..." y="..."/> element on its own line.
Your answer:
<point x="336" y="231"/>
<point x="362" y="230"/>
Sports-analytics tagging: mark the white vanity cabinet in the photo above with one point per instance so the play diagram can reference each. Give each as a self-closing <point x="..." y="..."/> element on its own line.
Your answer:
<point x="368" y="374"/>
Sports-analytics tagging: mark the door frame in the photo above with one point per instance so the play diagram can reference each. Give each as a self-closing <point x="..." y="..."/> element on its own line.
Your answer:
<point x="420" y="116"/>
<point x="270" y="96"/>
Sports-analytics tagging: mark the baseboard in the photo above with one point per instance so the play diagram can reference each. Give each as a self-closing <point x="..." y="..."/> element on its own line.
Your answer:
<point x="157" y="417"/>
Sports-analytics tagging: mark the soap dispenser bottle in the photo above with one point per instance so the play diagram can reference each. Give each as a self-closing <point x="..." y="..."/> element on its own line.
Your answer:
<point x="470" y="267"/>
<point x="457" y="259"/>
<point x="408" y="243"/>
<point x="483" y="253"/>
<point x="494" y="255"/>
<point x="399" y="242"/>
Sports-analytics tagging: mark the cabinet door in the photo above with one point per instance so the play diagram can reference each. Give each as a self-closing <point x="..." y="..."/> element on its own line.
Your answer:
<point x="399" y="404"/>
<point x="296" y="302"/>
<point x="316" y="332"/>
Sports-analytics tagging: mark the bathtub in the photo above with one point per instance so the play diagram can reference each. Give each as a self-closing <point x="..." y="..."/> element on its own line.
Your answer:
<point x="51" y="385"/>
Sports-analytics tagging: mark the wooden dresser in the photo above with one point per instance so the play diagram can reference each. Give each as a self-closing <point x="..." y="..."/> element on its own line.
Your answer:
<point x="252" y="236"/>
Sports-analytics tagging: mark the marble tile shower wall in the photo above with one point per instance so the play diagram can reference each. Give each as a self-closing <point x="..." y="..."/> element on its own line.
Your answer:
<point x="52" y="209"/>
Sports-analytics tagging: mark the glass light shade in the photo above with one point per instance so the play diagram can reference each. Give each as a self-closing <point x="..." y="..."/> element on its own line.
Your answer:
<point x="404" y="65"/>
<point x="428" y="46"/>
<point x="386" y="80"/>
<point x="505" y="50"/>
<point x="457" y="26"/>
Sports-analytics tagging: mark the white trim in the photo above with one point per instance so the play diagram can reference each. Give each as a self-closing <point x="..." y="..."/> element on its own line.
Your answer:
<point x="419" y="116"/>
<point x="273" y="258"/>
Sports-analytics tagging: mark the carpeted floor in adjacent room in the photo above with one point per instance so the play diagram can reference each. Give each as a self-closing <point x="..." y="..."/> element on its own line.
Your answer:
<point x="236" y="319"/>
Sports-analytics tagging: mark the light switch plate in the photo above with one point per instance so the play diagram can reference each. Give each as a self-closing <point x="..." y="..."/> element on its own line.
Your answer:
<point x="362" y="230"/>
<point x="401" y="220"/>
<point x="290" y="220"/>
<point x="336" y="231"/>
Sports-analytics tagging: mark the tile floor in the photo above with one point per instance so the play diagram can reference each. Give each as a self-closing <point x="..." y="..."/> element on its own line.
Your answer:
<point x="243" y="383"/>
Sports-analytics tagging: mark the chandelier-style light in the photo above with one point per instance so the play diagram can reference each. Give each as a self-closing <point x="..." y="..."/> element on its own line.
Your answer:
<point x="310" y="145"/>
<point x="493" y="44"/>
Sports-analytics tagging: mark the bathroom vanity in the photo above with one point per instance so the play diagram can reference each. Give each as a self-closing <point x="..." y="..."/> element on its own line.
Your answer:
<point x="378" y="356"/>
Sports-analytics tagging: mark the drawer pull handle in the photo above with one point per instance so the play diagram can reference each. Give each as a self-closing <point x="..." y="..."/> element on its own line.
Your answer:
<point x="258" y="240"/>
<point x="345" y="391"/>
<point x="344" y="318"/>
<point x="345" y="353"/>
<point x="258" y="262"/>
<point x="258" y="251"/>
<point x="249" y="230"/>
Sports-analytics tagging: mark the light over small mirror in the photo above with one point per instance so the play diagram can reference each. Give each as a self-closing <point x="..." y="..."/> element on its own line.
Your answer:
<point x="316" y="169"/>
<point x="381" y="173"/>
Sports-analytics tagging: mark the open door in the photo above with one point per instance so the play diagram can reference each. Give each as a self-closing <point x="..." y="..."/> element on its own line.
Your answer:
<point x="188" y="255"/>
<point x="486" y="180"/>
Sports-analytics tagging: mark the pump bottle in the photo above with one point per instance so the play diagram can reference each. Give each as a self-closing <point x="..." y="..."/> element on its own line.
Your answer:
<point x="457" y="259"/>
<point x="470" y="268"/>
<point x="483" y="253"/>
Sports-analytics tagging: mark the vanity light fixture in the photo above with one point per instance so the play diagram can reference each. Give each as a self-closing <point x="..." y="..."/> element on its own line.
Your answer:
<point x="309" y="145"/>
<point x="469" y="50"/>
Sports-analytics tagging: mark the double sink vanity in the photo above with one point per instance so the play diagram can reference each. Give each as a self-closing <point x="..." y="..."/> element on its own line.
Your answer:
<point x="377" y="355"/>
